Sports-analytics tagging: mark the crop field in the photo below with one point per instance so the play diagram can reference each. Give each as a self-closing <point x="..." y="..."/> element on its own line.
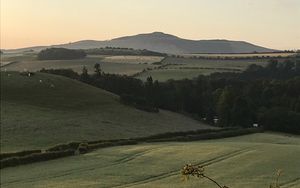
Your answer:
<point x="239" y="162"/>
<point x="133" y="59"/>
<point x="283" y="54"/>
<point x="182" y="68"/>
<point x="117" y="65"/>
<point x="45" y="110"/>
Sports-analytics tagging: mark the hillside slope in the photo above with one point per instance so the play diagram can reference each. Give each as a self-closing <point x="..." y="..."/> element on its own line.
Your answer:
<point x="44" y="110"/>
<point x="166" y="43"/>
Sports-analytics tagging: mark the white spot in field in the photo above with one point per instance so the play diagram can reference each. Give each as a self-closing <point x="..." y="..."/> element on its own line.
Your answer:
<point x="5" y="70"/>
<point x="255" y="125"/>
<point x="29" y="74"/>
<point x="41" y="81"/>
<point x="52" y="86"/>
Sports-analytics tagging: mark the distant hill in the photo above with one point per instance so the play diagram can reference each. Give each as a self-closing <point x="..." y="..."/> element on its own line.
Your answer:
<point x="44" y="110"/>
<point x="164" y="43"/>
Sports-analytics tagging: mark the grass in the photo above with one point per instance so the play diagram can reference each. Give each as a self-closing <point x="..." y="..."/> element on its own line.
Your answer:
<point x="182" y="68"/>
<point x="282" y="54"/>
<point x="116" y="65"/>
<point x="133" y="59"/>
<point x="38" y="114"/>
<point x="247" y="161"/>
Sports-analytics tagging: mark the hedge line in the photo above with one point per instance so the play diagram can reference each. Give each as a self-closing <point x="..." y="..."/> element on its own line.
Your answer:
<point x="18" y="154"/>
<point x="69" y="149"/>
<point x="35" y="157"/>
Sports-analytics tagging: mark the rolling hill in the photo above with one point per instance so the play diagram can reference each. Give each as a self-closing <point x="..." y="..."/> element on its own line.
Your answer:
<point x="164" y="43"/>
<point x="44" y="110"/>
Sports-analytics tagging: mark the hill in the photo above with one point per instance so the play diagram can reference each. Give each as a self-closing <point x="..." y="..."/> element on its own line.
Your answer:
<point x="165" y="43"/>
<point x="43" y="110"/>
<point x="242" y="162"/>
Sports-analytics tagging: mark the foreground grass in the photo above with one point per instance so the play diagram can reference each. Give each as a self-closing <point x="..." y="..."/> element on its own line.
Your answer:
<point x="38" y="114"/>
<point x="241" y="162"/>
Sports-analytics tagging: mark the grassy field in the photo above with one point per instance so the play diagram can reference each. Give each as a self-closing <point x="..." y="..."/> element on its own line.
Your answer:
<point x="283" y="54"/>
<point x="239" y="162"/>
<point x="181" y="68"/>
<point x="44" y="110"/>
<point x="133" y="59"/>
<point x="127" y="65"/>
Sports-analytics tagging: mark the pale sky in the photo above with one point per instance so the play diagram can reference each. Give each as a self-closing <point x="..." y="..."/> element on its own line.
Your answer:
<point x="270" y="23"/>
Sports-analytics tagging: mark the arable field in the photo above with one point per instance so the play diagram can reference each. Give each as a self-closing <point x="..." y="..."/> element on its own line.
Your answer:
<point x="133" y="59"/>
<point x="182" y="68"/>
<point x="116" y="64"/>
<point x="283" y="54"/>
<point x="44" y="110"/>
<point x="239" y="162"/>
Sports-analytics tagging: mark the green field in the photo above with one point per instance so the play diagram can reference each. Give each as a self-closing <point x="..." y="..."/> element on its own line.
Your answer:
<point x="182" y="68"/>
<point x="281" y="54"/>
<point x="127" y="65"/>
<point x="239" y="162"/>
<point x="44" y="110"/>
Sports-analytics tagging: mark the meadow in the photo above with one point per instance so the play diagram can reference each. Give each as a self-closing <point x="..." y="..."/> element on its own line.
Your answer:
<point x="238" y="162"/>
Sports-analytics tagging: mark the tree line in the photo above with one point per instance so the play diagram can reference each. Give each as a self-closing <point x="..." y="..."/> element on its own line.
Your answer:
<point x="60" y="54"/>
<point x="268" y="96"/>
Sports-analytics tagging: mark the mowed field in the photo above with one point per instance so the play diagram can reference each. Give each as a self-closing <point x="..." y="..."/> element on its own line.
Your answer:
<point x="182" y="68"/>
<point x="126" y="65"/>
<point x="44" y="110"/>
<point x="239" y="162"/>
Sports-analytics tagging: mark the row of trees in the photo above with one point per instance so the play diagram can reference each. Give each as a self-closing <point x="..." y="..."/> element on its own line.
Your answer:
<point x="268" y="96"/>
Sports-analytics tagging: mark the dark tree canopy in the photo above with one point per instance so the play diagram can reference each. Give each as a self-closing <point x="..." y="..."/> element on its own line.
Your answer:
<point x="60" y="54"/>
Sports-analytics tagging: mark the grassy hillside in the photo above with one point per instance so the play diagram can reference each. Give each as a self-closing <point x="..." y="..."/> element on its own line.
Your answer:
<point x="242" y="162"/>
<point x="44" y="110"/>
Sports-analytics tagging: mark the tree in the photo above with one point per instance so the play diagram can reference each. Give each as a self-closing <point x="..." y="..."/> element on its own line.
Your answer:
<point x="98" y="69"/>
<point x="85" y="77"/>
<point x="241" y="113"/>
<point x="224" y="107"/>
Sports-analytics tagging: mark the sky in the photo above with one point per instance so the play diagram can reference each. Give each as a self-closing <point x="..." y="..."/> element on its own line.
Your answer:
<point x="269" y="23"/>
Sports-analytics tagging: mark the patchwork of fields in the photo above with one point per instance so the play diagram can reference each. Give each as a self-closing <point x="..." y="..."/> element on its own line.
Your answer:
<point x="242" y="162"/>
<point x="141" y="67"/>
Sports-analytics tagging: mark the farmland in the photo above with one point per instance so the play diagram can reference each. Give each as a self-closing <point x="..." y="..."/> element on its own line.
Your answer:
<point x="44" y="110"/>
<point x="181" y="68"/>
<point x="117" y="65"/>
<point x="141" y="67"/>
<point x="246" y="161"/>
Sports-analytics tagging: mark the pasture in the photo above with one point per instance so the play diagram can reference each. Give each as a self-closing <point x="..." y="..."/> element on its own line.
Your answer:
<point x="45" y="110"/>
<point x="239" y="162"/>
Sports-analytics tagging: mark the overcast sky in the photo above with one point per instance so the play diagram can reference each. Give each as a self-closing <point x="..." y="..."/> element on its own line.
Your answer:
<point x="270" y="23"/>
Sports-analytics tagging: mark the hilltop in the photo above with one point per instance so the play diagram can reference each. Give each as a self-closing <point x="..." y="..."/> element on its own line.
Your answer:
<point x="163" y="43"/>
